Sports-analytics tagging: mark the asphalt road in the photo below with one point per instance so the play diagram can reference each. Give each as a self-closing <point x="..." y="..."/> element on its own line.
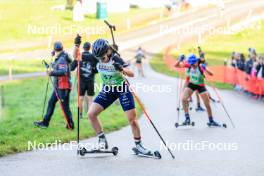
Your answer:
<point x="242" y="155"/>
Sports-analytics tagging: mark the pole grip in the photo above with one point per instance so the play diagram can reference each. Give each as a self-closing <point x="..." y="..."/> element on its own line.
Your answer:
<point x="112" y="27"/>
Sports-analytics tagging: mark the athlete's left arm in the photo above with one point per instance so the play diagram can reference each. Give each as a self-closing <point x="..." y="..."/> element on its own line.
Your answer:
<point x="206" y="70"/>
<point x="209" y="72"/>
<point x="124" y="66"/>
<point x="128" y="72"/>
<point x="61" y="70"/>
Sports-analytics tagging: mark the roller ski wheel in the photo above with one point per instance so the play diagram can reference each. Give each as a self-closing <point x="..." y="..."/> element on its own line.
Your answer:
<point x="83" y="151"/>
<point x="155" y="154"/>
<point x="184" y="124"/>
<point x="180" y="109"/>
<point x="115" y="151"/>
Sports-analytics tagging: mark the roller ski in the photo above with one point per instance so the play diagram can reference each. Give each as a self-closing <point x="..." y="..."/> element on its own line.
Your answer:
<point x="180" y="109"/>
<point x="101" y="148"/>
<point x="140" y="150"/>
<point x="83" y="151"/>
<point x="187" y="122"/>
<point x="212" y="123"/>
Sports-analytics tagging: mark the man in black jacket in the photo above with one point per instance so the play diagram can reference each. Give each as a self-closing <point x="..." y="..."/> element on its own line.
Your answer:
<point x="62" y="83"/>
<point x="260" y="67"/>
<point x="87" y="71"/>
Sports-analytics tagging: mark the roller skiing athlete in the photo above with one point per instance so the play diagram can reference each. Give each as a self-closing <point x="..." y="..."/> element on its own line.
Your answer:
<point x="196" y="73"/>
<point x="87" y="71"/>
<point x="139" y="56"/>
<point x="62" y="86"/>
<point x="111" y="67"/>
<point x="187" y="79"/>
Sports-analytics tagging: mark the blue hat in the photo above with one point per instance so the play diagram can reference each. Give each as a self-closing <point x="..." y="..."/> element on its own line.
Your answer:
<point x="192" y="59"/>
<point x="58" y="46"/>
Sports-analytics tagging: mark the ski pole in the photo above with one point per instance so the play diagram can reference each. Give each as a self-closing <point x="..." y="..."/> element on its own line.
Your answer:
<point x="222" y="103"/>
<point x="148" y="117"/>
<point x="57" y="95"/>
<point x="112" y="28"/>
<point x="78" y="99"/>
<point x="179" y="97"/>
<point x="45" y="98"/>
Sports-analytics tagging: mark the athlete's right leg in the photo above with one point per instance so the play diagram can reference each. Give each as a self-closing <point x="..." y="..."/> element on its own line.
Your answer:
<point x="101" y="102"/>
<point x="93" y="113"/>
<point x="187" y="94"/>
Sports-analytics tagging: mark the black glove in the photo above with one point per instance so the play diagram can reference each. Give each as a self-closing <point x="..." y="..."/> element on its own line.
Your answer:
<point x="118" y="67"/>
<point x="78" y="40"/>
<point x="52" y="53"/>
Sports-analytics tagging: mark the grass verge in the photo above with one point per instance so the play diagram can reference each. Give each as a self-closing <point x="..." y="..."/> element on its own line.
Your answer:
<point x="21" y="66"/>
<point x="23" y="106"/>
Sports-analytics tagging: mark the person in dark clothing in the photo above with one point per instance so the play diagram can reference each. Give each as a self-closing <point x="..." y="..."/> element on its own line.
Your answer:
<point x="201" y="53"/>
<point x="87" y="71"/>
<point x="241" y="62"/>
<point x="140" y="54"/>
<point x="248" y="66"/>
<point x="251" y="60"/>
<point x="62" y="83"/>
<point x="233" y="60"/>
<point x="260" y="67"/>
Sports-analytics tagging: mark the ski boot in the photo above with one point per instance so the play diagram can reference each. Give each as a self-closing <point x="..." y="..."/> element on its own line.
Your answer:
<point x="140" y="150"/>
<point x="186" y="122"/>
<point x="102" y="143"/>
<point x="102" y="148"/>
<point x="213" y="123"/>
<point x="199" y="108"/>
<point x="41" y="124"/>
<point x="71" y="125"/>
